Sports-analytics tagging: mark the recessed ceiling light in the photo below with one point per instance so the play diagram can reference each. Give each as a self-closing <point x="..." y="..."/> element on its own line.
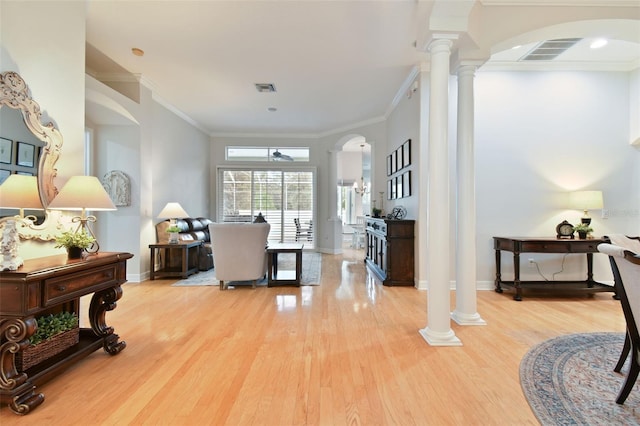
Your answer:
<point x="137" y="52"/>
<point x="598" y="43"/>
<point x="272" y="109"/>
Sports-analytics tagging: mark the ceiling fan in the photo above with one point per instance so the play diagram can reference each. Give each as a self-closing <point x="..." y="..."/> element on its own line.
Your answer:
<point x="278" y="156"/>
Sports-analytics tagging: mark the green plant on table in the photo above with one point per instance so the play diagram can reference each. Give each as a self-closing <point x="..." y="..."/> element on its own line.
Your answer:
<point x="50" y="325"/>
<point x="583" y="227"/>
<point x="78" y="238"/>
<point x="173" y="229"/>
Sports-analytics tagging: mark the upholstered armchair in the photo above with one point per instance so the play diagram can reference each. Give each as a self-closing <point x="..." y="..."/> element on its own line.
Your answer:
<point x="239" y="251"/>
<point x="626" y="270"/>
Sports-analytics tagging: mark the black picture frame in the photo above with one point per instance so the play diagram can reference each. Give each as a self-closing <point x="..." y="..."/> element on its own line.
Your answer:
<point x="394" y="162"/>
<point x="389" y="165"/>
<point x="24" y="173"/>
<point x="4" y="174"/>
<point x="406" y="153"/>
<point x="399" y="193"/>
<point x="406" y="184"/>
<point x="6" y="150"/>
<point x="389" y="190"/>
<point x="26" y="154"/>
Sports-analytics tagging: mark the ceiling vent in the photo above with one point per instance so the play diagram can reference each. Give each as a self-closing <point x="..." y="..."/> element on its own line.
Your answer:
<point x="550" y="49"/>
<point x="265" y="87"/>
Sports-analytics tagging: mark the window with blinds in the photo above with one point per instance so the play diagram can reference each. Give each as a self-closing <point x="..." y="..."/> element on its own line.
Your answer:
<point x="284" y="197"/>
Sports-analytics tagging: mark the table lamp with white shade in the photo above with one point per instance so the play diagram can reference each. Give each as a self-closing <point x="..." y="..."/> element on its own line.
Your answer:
<point x="585" y="201"/>
<point x="17" y="192"/>
<point x="83" y="193"/>
<point x="20" y="192"/>
<point x="172" y="211"/>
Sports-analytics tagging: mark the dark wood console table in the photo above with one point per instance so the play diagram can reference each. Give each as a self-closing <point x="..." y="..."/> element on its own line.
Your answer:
<point x="49" y="285"/>
<point x="389" y="250"/>
<point x="518" y="245"/>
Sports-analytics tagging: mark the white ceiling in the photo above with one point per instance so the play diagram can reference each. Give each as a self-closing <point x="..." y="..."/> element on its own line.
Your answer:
<point x="334" y="64"/>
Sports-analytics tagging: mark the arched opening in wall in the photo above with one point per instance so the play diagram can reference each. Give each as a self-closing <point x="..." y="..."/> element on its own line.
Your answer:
<point x="354" y="188"/>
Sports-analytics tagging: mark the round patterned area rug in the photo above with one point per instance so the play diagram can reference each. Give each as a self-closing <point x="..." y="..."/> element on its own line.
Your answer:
<point x="569" y="380"/>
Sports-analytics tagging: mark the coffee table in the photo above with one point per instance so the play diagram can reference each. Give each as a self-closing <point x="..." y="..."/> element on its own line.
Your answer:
<point x="280" y="277"/>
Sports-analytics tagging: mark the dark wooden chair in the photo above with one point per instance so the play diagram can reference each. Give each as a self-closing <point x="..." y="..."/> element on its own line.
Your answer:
<point x="626" y="243"/>
<point x="626" y="270"/>
<point x="302" y="233"/>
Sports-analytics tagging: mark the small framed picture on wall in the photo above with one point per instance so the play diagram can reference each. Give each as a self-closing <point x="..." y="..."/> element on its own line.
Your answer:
<point x="406" y="153"/>
<point x="26" y="154"/>
<point x="406" y="184"/>
<point x="389" y="165"/>
<point x="3" y="175"/>
<point x="389" y="190"/>
<point x="5" y="150"/>
<point x="394" y="162"/>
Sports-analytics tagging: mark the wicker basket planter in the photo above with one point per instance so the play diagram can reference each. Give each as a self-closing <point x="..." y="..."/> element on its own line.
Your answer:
<point x="35" y="354"/>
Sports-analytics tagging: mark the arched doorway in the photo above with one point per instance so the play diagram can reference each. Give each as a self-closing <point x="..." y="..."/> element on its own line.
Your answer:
<point x="354" y="176"/>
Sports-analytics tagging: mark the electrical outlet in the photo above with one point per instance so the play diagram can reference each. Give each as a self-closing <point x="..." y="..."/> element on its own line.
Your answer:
<point x="531" y="262"/>
<point x="605" y="213"/>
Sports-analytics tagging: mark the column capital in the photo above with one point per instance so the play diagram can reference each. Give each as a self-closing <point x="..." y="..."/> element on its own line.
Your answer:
<point x="441" y="42"/>
<point x="466" y="70"/>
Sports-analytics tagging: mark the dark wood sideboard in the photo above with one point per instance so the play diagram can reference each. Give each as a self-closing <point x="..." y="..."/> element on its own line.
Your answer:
<point x="518" y="245"/>
<point x="49" y="285"/>
<point x="390" y="253"/>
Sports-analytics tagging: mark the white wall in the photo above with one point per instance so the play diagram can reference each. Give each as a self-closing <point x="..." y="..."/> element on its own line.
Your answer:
<point x="166" y="159"/>
<point x="44" y="43"/>
<point x="540" y="135"/>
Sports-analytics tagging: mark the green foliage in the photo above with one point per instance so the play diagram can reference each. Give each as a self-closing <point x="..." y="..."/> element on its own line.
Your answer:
<point x="50" y="325"/>
<point x="173" y="229"/>
<point x="582" y="227"/>
<point x="74" y="239"/>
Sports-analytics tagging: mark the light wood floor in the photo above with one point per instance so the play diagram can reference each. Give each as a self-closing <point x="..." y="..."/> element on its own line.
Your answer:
<point x="345" y="352"/>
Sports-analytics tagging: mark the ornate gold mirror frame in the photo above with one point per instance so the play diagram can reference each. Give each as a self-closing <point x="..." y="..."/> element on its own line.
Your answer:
<point x="15" y="94"/>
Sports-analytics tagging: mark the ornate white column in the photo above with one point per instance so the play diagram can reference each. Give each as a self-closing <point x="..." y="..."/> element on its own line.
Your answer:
<point x="466" y="299"/>
<point x="334" y="222"/>
<point x="438" y="331"/>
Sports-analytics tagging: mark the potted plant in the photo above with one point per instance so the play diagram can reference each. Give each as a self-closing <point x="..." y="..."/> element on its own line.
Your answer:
<point x="583" y="230"/>
<point x="376" y="212"/>
<point x="55" y="333"/>
<point x="173" y="231"/>
<point x="75" y="242"/>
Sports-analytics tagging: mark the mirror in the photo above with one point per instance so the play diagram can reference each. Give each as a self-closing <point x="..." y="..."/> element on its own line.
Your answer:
<point x="15" y="94"/>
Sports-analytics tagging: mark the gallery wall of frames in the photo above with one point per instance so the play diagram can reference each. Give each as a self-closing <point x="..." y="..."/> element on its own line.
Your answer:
<point x="18" y="157"/>
<point x="398" y="162"/>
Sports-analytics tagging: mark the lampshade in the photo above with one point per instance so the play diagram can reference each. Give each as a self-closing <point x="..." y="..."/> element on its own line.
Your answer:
<point x="82" y="192"/>
<point x="20" y="192"/>
<point x="586" y="200"/>
<point x="172" y="211"/>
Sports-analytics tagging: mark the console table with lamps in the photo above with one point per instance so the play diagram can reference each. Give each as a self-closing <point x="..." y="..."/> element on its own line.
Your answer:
<point x="518" y="245"/>
<point x="49" y="285"/>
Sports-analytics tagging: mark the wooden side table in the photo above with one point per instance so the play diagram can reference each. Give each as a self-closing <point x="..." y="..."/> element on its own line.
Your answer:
<point x="276" y="277"/>
<point x="189" y="254"/>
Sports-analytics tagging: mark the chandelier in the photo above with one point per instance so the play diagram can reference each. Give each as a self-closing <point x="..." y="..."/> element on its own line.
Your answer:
<point x="361" y="188"/>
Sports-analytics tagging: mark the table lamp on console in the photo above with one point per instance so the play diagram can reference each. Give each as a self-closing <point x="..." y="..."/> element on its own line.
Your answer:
<point x="17" y="192"/>
<point x="585" y="201"/>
